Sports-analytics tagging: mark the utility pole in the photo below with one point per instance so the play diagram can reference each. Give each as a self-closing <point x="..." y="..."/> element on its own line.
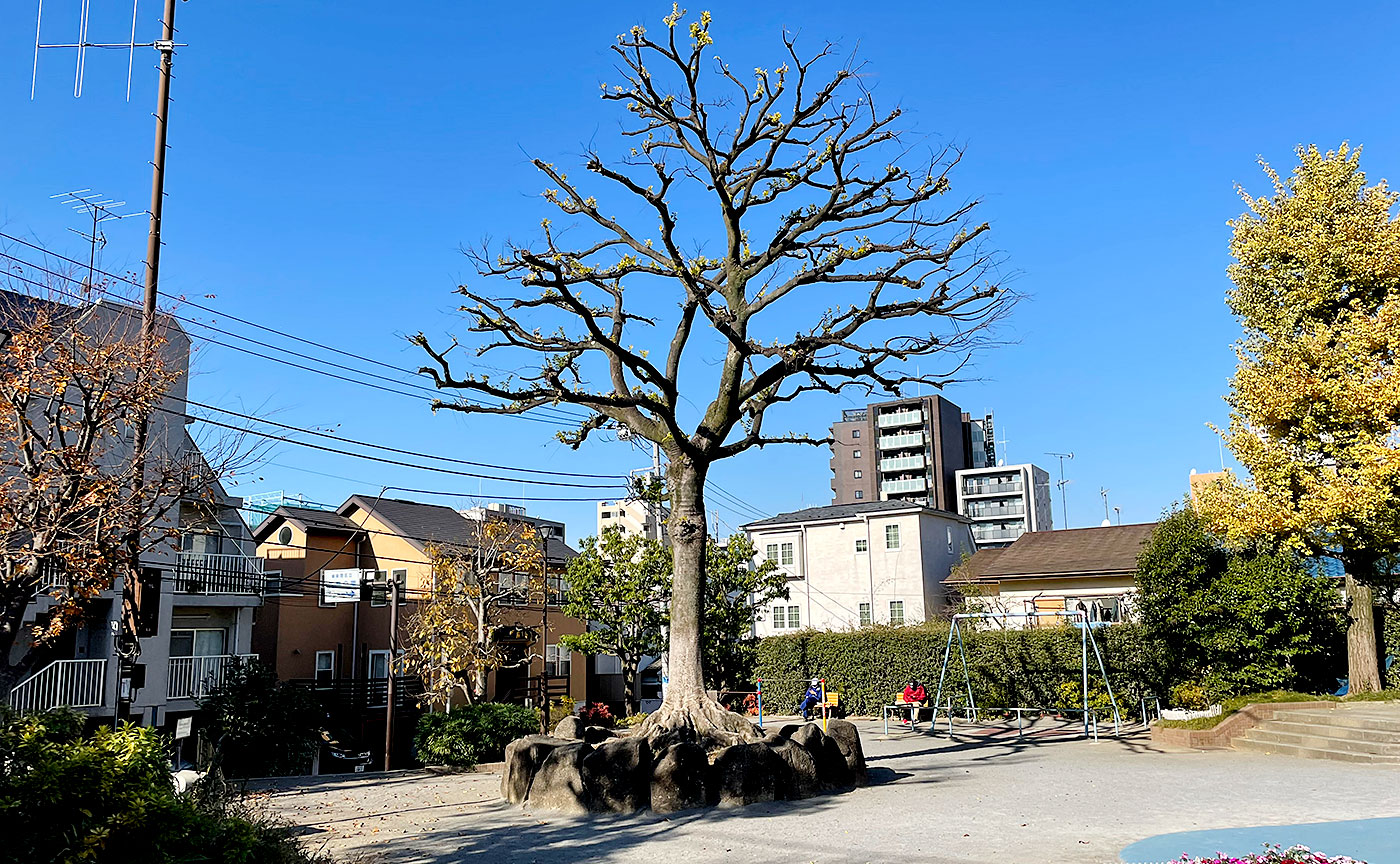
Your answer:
<point x="389" y="684"/>
<point x="1064" y="503"/>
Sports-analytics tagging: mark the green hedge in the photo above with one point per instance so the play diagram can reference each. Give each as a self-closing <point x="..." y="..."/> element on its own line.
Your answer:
<point x="471" y="733"/>
<point x="1390" y="620"/>
<point x="1008" y="668"/>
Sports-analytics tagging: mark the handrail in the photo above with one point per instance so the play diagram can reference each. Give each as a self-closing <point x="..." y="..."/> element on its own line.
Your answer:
<point x="62" y="684"/>
<point x="194" y="676"/>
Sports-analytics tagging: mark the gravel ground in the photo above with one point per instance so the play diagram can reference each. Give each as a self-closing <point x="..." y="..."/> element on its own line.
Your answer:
<point x="978" y="798"/>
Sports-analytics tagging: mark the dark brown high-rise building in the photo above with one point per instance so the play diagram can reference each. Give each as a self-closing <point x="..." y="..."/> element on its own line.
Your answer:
<point x="906" y="450"/>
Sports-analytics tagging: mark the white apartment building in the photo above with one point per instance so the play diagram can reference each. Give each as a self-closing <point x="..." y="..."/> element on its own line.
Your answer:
<point x="209" y="582"/>
<point x="854" y="565"/>
<point x="1003" y="502"/>
<point x="633" y="517"/>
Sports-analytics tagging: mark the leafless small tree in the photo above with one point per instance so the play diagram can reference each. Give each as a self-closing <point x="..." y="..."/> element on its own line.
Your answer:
<point x="836" y="271"/>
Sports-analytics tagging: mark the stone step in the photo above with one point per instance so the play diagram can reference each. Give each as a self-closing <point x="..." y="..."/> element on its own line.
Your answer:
<point x="1247" y="743"/>
<point x="1373" y="720"/>
<point x="1349" y="732"/>
<point x="1322" y="739"/>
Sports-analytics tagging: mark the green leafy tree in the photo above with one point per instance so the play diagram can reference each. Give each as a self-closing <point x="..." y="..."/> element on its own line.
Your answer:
<point x="1237" y="620"/>
<point x="261" y="727"/>
<point x="737" y="591"/>
<point x="620" y="584"/>
<point x="1315" y="402"/>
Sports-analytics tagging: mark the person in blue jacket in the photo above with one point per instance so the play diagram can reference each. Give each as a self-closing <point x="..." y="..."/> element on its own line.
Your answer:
<point x="811" y="699"/>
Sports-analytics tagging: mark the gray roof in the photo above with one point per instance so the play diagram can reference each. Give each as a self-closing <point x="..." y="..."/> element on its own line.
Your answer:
<point x="1111" y="550"/>
<point x="308" y="519"/>
<point x="421" y="524"/>
<point x="848" y="511"/>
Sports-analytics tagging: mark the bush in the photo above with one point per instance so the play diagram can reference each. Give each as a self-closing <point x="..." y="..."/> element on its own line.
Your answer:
<point x="471" y="733"/>
<point x="108" y="798"/>
<point x="1192" y="695"/>
<point x="261" y="727"/>
<point x="632" y="720"/>
<point x="596" y="714"/>
<point x="1007" y="668"/>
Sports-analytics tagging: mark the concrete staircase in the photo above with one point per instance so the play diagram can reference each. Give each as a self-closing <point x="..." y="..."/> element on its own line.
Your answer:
<point x="1360" y="732"/>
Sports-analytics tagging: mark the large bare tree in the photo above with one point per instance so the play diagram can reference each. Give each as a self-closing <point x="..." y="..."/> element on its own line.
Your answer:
<point x="836" y="266"/>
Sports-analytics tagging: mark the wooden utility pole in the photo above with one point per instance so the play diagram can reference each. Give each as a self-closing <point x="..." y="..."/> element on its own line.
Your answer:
<point x="389" y="685"/>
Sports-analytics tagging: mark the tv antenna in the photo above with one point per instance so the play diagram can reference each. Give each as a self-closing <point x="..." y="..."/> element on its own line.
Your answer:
<point x="1104" y="493"/>
<point x="1064" y="502"/>
<point x="99" y="209"/>
<point x="81" y="45"/>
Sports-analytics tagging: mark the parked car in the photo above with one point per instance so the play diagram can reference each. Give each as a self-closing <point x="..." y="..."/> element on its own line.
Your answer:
<point x="341" y="754"/>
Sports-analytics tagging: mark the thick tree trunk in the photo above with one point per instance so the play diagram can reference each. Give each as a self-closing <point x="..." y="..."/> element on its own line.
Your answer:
<point x="1363" y="664"/>
<point x="686" y="705"/>
<point x="629" y="684"/>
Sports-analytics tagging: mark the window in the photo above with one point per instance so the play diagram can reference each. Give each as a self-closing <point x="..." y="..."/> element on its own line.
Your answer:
<point x="196" y="643"/>
<point x="275" y="587"/>
<point x="891" y="536"/>
<point x="787" y="555"/>
<point x="325" y="667"/>
<point x="855" y="454"/>
<point x="859" y="494"/>
<point x="896" y="613"/>
<point x="856" y="474"/>
<point x="779" y="617"/>
<point x="607" y="664"/>
<point x="378" y="671"/>
<point x="558" y="660"/>
<point x="865" y="614"/>
<point x="771" y="552"/>
<point x="794" y="617"/>
<point x="284" y="537"/>
<point x="862" y="545"/>
<point x="379" y="592"/>
<point x="855" y="433"/>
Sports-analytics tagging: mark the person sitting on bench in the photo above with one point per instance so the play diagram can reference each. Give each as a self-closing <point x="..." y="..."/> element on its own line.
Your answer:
<point x="913" y="697"/>
<point x="811" y="699"/>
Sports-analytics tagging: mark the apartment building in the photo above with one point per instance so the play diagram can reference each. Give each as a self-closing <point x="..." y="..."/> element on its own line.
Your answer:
<point x="907" y="450"/>
<point x="1004" y="502"/>
<point x="204" y="582"/>
<point x="854" y="565"/>
<point x="342" y="649"/>
<point x="633" y="517"/>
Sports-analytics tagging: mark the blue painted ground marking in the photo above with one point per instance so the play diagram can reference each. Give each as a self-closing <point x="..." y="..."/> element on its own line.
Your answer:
<point x="1375" y="841"/>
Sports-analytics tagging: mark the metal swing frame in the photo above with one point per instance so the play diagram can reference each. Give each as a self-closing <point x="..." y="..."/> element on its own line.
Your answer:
<point x="1086" y="640"/>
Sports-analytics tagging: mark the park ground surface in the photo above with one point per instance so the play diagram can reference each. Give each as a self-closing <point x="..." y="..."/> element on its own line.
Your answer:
<point x="992" y="798"/>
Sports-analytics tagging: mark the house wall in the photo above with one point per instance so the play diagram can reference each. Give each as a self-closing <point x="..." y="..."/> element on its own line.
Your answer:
<point x="1024" y="595"/>
<point x="291" y="629"/>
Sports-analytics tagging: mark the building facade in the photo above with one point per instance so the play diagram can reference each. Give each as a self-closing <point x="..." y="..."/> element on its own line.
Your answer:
<point x="633" y="517"/>
<point x="855" y="565"/>
<point x="906" y="450"/>
<point x="1004" y="502"/>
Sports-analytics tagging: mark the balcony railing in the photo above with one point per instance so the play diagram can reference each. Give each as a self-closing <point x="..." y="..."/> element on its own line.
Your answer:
<point x="360" y="694"/>
<point x="918" y="484"/>
<point x="899" y="418"/>
<point x="194" y="677"/>
<point x="62" y="684"/>
<point x="999" y="488"/>
<point x="986" y="536"/>
<point x="204" y="573"/>
<point x="905" y="439"/>
<point x="903" y="463"/>
<point x="976" y="512"/>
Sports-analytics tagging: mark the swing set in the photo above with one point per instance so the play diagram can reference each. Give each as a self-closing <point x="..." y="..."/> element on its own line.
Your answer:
<point x="1086" y="640"/>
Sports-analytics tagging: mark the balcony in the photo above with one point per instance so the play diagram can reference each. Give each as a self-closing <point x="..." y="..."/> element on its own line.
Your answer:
<point x="991" y="535"/>
<point x="62" y="684"/>
<point x="902" y="440"/>
<point x="194" y="677"/>
<point x="894" y="487"/>
<point x="1004" y="487"/>
<point x="900" y="418"/>
<point x="206" y="573"/>
<point x="903" y="463"/>
<point x="984" y="512"/>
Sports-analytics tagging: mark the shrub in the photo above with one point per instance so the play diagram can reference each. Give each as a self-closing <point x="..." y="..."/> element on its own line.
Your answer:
<point x="1274" y="855"/>
<point x="1192" y="695"/>
<point x="261" y="727"/>
<point x="1007" y="668"/>
<point x="596" y="714"/>
<point x="108" y="798"/>
<point x="632" y="720"/>
<point x="471" y="733"/>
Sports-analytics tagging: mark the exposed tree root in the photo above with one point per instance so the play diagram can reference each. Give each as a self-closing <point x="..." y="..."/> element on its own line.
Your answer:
<point x="695" y="716"/>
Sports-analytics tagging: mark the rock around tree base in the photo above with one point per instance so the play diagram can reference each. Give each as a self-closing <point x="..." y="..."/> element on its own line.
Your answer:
<point x="622" y="775"/>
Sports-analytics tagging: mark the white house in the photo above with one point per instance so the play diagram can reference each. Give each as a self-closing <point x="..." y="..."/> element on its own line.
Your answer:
<point x="853" y="565"/>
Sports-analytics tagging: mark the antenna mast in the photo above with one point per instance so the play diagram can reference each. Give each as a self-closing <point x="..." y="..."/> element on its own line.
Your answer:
<point x="1064" y="502"/>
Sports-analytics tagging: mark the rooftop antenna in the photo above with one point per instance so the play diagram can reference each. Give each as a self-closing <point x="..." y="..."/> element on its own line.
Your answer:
<point x="1064" y="502"/>
<point x="81" y="45"/>
<point x="99" y="209"/>
<point x="1106" y="521"/>
<point x="1119" y="514"/>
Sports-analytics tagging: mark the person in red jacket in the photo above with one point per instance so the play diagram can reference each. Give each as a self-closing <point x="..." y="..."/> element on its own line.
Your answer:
<point x="914" y="697"/>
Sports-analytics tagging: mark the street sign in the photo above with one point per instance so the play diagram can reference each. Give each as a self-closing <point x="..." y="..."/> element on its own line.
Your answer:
<point x="183" y="726"/>
<point x="340" y="586"/>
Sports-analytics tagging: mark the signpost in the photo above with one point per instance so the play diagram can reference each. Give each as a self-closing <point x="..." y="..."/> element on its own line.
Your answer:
<point x="183" y="727"/>
<point x="341" y="586"/>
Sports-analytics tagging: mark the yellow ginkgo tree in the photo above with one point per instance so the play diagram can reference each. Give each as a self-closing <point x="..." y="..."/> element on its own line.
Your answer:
<point x="1315" y="401"/>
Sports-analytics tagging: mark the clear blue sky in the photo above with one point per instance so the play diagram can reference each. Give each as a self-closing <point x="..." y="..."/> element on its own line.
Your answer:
<point x="328" y="160"/>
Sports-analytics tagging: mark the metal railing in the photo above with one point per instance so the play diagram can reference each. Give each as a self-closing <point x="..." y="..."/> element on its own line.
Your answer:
<point x="995" y="488"/>
<point x="204" y="573"/>
<point x="984" y="512"/>
<point x="917" y="484"/>
<point x="906" y="439"/>
<point x="902" y="463"/>
<point x="194" y="677"/>
<point x="62" y="684"/>
<point x="899" y="418"/>
<point x="997" y="534"/>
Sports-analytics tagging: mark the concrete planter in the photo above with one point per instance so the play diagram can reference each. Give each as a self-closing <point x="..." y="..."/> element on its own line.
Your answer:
<point x="1221" y="734"/>
<point x="1188" y="714"/>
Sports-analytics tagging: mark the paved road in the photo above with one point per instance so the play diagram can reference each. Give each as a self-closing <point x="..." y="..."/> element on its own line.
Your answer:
<point x="997" y="800"/>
